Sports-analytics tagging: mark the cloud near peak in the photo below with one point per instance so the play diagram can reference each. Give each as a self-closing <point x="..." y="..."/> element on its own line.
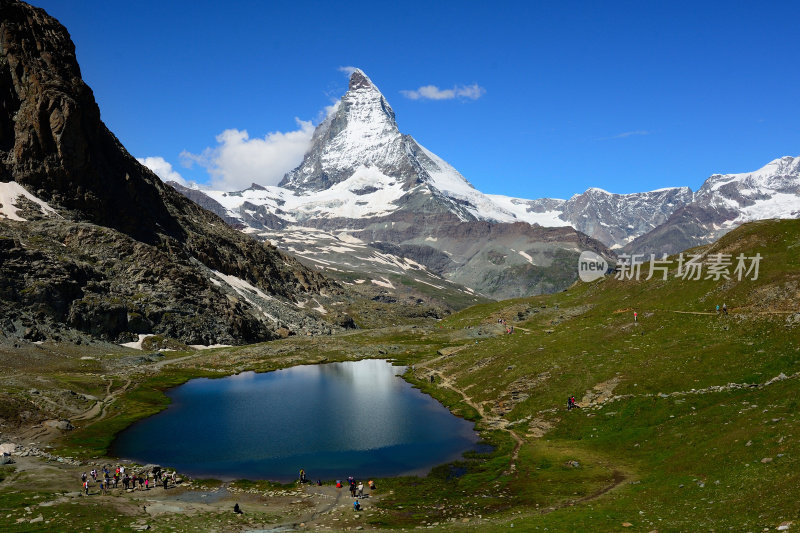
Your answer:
<point x="432" y="92"/>
<point x="347" y="70"/>
<point x="163" y="169"/>
<point x="238" y="161"/>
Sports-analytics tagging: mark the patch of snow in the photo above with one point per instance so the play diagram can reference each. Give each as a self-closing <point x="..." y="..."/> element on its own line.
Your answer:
<point x="431" y="284"/>
<point x="247" y="291"/>
<point x="349" y="239"/>
<point x="413" y="264"/>
<point x="359" y="281"/>
<point x="526" y="256"/>
<point x="385" y="283"/>
<point x="137" y="345"/>
<point x="10" y="192"/>
<point x="209" y="347"/>
<point x="339" y="249"/>
<point x="319" y="309"/>
<point x="241" y="286"/>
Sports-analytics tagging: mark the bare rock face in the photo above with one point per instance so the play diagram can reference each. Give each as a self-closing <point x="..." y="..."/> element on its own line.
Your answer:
<point x="616" y="219"/>
<point x="121" y="251"/>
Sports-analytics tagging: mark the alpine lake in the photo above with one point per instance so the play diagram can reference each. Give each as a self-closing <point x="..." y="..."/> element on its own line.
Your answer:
<point x="333" y="420"/>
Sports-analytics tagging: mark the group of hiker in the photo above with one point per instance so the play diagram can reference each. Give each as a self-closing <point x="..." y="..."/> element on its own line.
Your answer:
<point x="356" y="490"/>
<point x="571" y="403"/>
<point x="107" y="480"/>
<point x="356" y="486"/>
<point x="724" y="309"/>
<point x="509" y="329"/>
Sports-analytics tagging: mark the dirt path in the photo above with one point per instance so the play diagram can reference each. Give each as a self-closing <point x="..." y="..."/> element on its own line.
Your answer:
<point x="98" y="410"/>
<point x="161" y="364"/>
<point x="490" y="418"/>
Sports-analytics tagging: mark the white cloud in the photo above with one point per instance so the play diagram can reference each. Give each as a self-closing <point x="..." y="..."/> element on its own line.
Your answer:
<point x="625" y="134"/>
<point x="432" y="92"/>
<point x="163" y="169"/>
<point x="348" y="70"/>
<point x="238" y="161"/>
<point x="329" y="110"/>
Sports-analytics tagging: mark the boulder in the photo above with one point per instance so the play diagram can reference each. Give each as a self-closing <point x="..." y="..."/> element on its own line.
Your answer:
<point x="63" y="425"/>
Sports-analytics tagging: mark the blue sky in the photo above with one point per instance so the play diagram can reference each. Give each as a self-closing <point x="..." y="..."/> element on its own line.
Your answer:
<point x="626" y="96"/>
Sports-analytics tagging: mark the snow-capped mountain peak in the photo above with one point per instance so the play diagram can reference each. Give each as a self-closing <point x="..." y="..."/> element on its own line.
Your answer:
<point x="776" y="175"/>
<point x="360" y="132"/>
<point x="361" y="137"/>
<point x="770" y="191"/>
<point x="360" y="169"/>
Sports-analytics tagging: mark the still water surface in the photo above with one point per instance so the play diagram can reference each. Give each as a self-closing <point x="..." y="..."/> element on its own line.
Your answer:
<point x="333" y="420"/>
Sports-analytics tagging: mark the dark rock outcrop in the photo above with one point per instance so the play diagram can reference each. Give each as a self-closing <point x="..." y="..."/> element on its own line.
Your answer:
<point x="125" y="251"/>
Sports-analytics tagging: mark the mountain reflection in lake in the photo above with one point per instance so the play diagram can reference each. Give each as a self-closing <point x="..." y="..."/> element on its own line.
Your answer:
<point x="333" y="420"/>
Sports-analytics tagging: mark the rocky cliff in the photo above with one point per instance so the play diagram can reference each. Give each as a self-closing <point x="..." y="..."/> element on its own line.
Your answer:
<point x="94" y="242"/>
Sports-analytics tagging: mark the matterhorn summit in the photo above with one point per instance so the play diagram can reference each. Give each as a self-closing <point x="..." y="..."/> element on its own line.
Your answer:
<point x="360" y="144"/>
<point x="361" y="132"/>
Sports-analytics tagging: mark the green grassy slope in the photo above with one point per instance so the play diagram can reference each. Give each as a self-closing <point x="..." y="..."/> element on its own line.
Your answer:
<point x="689" y="446"/>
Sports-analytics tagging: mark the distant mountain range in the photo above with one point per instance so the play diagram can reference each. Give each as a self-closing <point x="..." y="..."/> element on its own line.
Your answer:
<point x="364" y="181"/>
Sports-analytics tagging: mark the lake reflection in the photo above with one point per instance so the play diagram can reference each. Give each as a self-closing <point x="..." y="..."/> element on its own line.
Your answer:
<point x="334" y="420"/>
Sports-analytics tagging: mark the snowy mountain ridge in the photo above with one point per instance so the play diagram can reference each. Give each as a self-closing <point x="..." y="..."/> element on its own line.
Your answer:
<point x="360" y="167"/>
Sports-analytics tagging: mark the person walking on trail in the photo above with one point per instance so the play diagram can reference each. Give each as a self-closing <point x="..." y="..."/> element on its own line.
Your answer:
<point x="86" y="487"/>
<point x="360" y="489"/>
<point x="724" y="309"/>
<point x="635" y="316"/>
<point x="356" y="506"/>
<point x="717" y="308"/>
<point x="571" y="403"/>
